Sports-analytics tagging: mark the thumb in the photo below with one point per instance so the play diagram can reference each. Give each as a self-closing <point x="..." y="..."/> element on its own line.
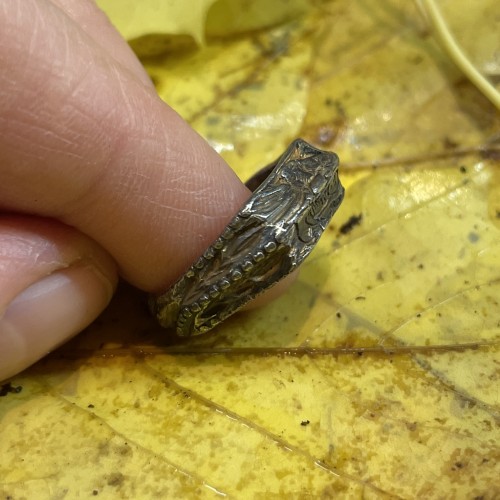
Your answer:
<point x="54" y="281"/>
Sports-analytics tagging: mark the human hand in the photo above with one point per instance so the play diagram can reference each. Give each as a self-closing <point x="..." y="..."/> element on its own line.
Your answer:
<point x="98" y="177"/>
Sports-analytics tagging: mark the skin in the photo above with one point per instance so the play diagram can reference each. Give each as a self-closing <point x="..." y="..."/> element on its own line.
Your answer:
<point x="98" y="177"/>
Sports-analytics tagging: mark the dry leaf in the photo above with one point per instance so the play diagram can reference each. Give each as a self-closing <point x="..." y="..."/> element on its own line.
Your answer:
<point x="376" y="375"/>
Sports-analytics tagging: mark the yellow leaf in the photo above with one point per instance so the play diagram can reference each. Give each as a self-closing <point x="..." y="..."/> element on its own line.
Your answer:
<point x="160" y="18"/>
<point x="376" y="375"/>
<point x="246" y="105"/>
<point x="229" y="17"/>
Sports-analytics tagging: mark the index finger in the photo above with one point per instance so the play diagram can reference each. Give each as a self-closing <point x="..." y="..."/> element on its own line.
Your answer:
<point x="84" y="140"/>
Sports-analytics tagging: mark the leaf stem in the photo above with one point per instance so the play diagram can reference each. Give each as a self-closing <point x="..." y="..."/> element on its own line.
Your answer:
<point x="456" y="54"/>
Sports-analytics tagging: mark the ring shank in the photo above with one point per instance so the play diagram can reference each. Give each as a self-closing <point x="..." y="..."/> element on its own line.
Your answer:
<point x="293" y="200"/>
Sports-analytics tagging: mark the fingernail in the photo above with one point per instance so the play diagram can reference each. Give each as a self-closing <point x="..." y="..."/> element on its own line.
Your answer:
<point x="49" y="312"/>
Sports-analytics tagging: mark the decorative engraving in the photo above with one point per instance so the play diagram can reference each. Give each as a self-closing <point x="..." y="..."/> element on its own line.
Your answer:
<point x="269" y="238"/>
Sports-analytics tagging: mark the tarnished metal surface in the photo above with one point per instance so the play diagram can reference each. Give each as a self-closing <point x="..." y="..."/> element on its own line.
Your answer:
<point x="269" y="238"/>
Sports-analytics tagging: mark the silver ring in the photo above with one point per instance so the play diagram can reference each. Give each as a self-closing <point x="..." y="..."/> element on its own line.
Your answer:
<point x="269" y="238"/>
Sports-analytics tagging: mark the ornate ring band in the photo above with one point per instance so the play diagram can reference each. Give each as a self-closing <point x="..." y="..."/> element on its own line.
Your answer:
<point x="270" y="236"/>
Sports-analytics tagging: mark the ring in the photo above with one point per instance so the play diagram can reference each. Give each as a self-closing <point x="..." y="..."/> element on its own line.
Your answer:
<point x="271" y="235"/>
